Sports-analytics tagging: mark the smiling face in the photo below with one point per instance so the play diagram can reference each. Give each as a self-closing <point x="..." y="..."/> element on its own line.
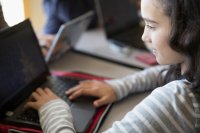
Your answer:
<point x="157" y="31"/>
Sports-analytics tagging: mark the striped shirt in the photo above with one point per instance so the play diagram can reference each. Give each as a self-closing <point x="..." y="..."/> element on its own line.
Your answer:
<point x="170" y="108"/>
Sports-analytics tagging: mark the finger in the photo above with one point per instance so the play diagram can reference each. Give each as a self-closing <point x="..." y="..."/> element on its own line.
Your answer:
<point x="87" y="83"/>
<point x="83" y="92"/>
<point x="44" y="51"/>
<point x="48" y="91"/>
<point x="40" y="91"/>
<point x="72" y="90"/>
<point x="100" y="102"/>
<point x="31" y="105"/>
<point x="35" y="96"/>
<point x="48" y="43"/>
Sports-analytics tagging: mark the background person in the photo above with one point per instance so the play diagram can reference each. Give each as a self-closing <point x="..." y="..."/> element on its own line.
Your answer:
<point x="60" y="11"/>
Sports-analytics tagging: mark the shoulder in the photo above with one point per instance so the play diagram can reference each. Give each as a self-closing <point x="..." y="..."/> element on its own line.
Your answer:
<point x="169" y="106"/>
<point x="174" y="96"/>
<point x="181" y="87"/>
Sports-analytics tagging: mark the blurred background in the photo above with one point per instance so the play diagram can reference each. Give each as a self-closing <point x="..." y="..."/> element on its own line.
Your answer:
<point x="16" y="11"/>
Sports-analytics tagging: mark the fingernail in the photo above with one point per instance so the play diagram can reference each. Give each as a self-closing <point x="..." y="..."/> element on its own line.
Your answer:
<point x="95" y="104"/>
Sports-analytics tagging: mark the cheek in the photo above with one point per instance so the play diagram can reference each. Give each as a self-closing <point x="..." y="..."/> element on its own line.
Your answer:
<point x="160" y="41"/>
<point x="161" y="44"/>
<point x="160" y="37"/>
<point x="165" y="55"/>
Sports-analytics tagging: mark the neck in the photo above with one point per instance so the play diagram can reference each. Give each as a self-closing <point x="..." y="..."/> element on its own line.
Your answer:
<point x="184" y="67"/>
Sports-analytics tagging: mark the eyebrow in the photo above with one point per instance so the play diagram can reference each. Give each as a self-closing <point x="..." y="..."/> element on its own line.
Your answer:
<point x="149" y="20"/>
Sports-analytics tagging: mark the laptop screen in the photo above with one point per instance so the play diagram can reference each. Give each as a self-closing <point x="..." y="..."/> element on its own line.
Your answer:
<point x="117" y="15"/>
<point x="68" y="35"/>
<point x="21" y="62"/>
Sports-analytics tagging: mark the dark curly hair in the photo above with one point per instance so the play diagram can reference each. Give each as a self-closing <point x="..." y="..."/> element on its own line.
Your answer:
<point x="185" y="37"/>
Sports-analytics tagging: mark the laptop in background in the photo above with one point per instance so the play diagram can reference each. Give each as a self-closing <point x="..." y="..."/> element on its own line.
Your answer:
<point x="68" y="35"/>
<point x="111" y="42"/>
<point x="23" y="69"/>
<point x="121" y="22"/>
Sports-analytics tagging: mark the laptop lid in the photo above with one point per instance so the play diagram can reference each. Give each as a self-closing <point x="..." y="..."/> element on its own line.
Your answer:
<point x="117" y="15"/>
<point x="68" y="35"/>
<point x="22" y="65"/>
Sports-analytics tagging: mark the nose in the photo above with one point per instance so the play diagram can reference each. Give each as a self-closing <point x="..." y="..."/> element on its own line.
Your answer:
<point x="146" y="37"/>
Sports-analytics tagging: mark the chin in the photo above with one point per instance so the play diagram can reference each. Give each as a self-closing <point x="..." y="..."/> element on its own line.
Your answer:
<point x="161" y="62"/>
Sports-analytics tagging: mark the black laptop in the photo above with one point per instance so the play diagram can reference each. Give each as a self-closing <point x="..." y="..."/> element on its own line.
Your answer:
<point x="23" y="69"/>
<point x="121" y="22"/>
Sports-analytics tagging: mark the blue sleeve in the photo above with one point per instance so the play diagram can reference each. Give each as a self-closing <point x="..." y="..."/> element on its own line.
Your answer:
<point x="53" y="22"/>
<point x="60" y="11"/>
<point x="52" y="25"/>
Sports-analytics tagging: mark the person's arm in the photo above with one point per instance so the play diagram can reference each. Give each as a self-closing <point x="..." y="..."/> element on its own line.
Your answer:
<point x="52" y="23"/>
<point x="112" y="90"/>
<point x="140" y="82"/>
<point x="55" y="117"/>
<point x="167" y="109"/>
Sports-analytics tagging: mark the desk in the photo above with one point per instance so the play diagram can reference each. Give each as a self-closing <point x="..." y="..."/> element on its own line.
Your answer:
<point x="77" y="62"/>
<point x="94" y="42"/>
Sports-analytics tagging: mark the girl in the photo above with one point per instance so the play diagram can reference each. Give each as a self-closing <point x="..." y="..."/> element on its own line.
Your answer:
<point x="172" y="32"/>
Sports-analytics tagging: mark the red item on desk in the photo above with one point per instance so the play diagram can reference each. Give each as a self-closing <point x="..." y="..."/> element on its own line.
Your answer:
<point x="97" y="120"/>
<point x="6" y="128"/>
<point x="147" y="58"/>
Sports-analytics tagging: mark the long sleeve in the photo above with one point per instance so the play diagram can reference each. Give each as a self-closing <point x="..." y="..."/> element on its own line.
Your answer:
<point x="142" y="81"/>
<point x="167" y="109"/>
<point x="56" y="117"/>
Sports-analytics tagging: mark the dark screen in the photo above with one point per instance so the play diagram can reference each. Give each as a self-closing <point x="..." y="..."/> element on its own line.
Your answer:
<point x="117" y="14"/>
<point x="21" y="62"/>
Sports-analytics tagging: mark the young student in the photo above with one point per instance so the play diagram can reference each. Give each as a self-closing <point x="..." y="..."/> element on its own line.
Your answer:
<point x="172" y="32"/>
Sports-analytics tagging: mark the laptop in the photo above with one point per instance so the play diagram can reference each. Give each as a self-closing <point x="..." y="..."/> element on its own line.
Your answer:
<point x="23" y="69"/>
<point x="121" y="22"/>
<point x="68" y="35"/>
<point x="118" y="41"/>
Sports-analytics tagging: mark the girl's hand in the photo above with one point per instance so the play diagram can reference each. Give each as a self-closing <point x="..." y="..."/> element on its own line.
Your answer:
<point x="40" y="97"/>
<point x="99" y="89"/>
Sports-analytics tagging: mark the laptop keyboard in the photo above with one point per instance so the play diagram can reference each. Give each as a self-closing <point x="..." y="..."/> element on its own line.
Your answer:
<point x="58" y="86"/>
<point x="30" y="115"/>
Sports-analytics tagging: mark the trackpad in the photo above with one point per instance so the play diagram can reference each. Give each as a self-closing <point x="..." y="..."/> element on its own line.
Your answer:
<point x="83" y="111"/>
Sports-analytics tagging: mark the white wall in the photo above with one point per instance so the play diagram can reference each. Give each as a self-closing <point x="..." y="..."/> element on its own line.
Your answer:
<point x="13" y="11"/>
<point x="36" y="13"/>
<point x="16" y="11"/>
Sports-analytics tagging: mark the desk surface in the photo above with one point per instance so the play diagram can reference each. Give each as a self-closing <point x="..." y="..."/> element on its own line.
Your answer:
<point x="94" y="42"/>
<point x="72" y="61"/>
<point x="77" y="62"/>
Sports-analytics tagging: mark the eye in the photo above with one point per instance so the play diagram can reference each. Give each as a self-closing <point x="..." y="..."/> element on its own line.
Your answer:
<point x="150" y="27"/>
